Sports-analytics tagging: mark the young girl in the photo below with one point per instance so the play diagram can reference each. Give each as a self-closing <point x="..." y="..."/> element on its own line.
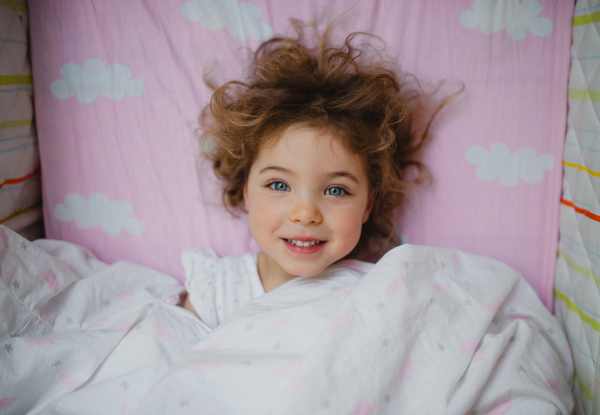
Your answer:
<point x="315" y="147"/>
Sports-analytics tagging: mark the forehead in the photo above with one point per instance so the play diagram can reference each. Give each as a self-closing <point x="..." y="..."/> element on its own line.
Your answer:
<point x="301" y="144"/>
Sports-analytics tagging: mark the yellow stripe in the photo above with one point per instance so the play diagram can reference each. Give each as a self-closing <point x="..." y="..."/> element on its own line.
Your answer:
<point x="582" y="168"/>
<point x="17" y="6"/>
<point x="585" y="94"/>
<point x="15" y="123"/>
<point x="573" y="307"/>
<point x="586" y="19"/>
<point x="586" y="391"/>
<point x="17" y="213"/>
<point x="588" y="273"/>
<point x="16" y="79"/>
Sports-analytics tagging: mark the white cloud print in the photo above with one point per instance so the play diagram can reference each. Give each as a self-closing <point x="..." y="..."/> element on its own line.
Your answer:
<point x="240" y="19"/>
<point x="493" y="16"/>
<point x="509" y="169"/>
<point x="95" y="78"/>
<point x="112" y="217"/>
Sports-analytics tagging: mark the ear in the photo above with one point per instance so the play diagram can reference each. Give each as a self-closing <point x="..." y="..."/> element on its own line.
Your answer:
<point x="369" y="208"/>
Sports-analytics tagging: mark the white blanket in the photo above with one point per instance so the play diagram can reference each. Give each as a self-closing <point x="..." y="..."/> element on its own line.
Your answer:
<point x="426" y="331"/>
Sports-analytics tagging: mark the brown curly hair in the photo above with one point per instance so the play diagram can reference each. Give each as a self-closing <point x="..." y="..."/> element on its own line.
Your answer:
<point x="350" y="91"/>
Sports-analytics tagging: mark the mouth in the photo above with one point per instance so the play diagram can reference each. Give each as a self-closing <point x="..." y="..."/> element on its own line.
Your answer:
<point x="303" y="244"/>
<point x="308" y="246"/>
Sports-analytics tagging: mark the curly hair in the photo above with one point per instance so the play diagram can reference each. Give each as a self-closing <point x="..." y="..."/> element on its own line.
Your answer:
<point x="347" y="91"/>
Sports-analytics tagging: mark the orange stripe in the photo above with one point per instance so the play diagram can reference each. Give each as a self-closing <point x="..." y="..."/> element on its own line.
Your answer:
<point x="19" y="179"/>
<point x="580" y="210"/>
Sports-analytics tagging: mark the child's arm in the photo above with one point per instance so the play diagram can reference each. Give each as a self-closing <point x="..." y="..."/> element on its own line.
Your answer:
<point x="187" y="304"/>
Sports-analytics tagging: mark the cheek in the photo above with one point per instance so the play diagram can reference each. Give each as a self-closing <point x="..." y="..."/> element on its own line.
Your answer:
<point x="262" y="215"/>
<point x="348" y="224"/>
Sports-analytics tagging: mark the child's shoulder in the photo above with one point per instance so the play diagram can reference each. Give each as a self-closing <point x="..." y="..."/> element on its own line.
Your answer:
<point x="206" y="262"/>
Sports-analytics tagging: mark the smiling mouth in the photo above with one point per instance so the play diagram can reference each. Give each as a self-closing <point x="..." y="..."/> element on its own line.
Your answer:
<point x="303" y="244"/>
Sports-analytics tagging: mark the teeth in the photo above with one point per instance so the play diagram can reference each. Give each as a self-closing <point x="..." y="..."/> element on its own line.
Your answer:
<point x="303" y="244"/>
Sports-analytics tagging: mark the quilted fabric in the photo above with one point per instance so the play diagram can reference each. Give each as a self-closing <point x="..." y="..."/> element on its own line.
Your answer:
<point x="578" y="268"/>
<point x="119" y="87"/>
<point x="20" y="190"/>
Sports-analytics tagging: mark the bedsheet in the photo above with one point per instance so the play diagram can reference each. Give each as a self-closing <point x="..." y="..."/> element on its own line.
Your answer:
<point x="118" y="90"/>
<point x="427" y="330"/>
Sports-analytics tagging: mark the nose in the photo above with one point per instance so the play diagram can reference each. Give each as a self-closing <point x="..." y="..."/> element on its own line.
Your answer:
<point x="306" y="212"/>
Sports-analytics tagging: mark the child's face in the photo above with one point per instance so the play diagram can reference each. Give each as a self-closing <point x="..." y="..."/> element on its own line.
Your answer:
<point x="306" y="189"/>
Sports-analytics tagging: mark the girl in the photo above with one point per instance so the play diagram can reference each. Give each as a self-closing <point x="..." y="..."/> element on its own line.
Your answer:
<point x="315" y="147"/>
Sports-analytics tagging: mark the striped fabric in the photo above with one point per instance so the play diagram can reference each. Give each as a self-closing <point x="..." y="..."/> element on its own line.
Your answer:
<point x="19" y="159"/>
<point x="577" y="289"/>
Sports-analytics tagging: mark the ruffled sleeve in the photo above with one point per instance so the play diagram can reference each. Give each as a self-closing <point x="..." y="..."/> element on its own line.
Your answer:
<point x="200" y="266"/>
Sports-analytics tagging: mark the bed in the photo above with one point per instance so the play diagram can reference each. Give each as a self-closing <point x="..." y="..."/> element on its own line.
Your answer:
<point x="118" y="89"/>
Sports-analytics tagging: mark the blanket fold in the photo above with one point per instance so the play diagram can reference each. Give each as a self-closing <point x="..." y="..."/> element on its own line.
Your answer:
<point x="426" y="330"/>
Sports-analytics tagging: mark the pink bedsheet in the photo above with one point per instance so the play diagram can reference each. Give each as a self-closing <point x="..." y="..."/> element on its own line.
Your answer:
<point x="118" y="87"/>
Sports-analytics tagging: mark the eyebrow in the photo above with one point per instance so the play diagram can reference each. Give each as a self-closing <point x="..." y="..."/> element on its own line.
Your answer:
<point x="276" y="168"/>
<point x="335" y="174"/>
<point x="331" y="175"/>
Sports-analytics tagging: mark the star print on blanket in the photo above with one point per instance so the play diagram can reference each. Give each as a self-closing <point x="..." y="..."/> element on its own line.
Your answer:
<point x="110" y="337"/>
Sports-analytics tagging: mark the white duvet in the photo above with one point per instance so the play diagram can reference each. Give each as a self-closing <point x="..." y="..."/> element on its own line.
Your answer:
<point x="426" y="331"/>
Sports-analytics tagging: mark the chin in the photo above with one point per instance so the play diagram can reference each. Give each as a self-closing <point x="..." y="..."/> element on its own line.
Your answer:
<point x="307" y="271"/>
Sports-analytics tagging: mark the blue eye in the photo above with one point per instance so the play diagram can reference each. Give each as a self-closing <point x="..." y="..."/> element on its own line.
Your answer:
<point x="279" y="186"/>
<point x="336" y="191"/>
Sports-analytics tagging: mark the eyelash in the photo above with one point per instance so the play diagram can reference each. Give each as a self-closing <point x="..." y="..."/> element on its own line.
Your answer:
<point x="272" y="184"/>
<point x="344" y="191"/>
